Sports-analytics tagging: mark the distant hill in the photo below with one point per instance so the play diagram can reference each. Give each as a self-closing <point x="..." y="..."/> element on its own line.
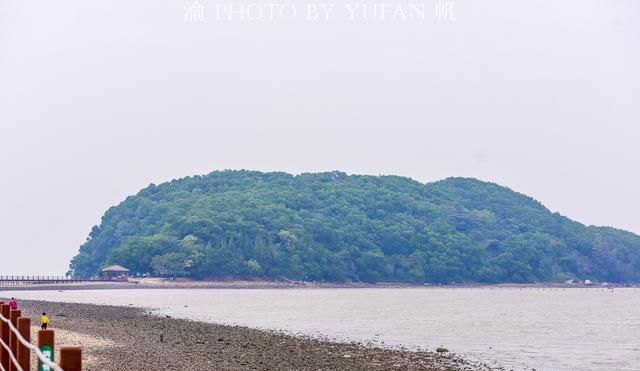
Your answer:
<point x="338" y="227"/>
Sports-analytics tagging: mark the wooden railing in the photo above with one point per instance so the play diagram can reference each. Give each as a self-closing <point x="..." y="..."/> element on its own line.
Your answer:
<point x="16" y="347"/>
<point x="35" y="280"/>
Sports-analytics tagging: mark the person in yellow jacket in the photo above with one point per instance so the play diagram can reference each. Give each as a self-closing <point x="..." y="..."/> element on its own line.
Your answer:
<point x="44" y="320"/>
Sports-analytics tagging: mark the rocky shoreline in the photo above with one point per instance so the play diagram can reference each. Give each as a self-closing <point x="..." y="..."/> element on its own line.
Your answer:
<point x="155" y="283"/>
<point x="127" y="338"/>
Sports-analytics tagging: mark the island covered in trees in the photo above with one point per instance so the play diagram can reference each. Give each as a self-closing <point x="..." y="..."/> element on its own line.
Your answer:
<point x="351" y="228"/>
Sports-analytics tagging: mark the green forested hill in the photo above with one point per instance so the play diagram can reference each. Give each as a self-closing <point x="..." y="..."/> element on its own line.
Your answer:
<point x="338" y="227"/>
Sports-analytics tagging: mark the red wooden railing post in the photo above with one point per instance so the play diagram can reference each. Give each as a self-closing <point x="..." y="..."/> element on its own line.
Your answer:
<point x="71" y="358"/>
<point x="6" y="313"/>
<point x="24" y="353"/>
<point x="46" y="344"/>
<point x="1" y="336"/>
<point x="15" y="314"/>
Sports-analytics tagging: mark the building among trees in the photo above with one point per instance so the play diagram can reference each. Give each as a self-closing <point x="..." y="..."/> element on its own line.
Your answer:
<point x="115" y="273"/>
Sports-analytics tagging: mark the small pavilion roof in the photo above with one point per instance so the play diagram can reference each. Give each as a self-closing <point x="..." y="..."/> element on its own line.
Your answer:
<point x="115" y="268"/>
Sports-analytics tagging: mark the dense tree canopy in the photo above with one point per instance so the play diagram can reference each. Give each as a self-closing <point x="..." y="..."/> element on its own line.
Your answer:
<point x="338" y="227"/>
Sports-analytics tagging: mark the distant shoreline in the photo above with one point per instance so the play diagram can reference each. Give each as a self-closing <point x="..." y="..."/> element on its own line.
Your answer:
<point x="240" y="284"/>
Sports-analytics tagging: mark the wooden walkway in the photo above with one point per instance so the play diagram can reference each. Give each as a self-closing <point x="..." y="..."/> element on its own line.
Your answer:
<point x="36" y="280"/>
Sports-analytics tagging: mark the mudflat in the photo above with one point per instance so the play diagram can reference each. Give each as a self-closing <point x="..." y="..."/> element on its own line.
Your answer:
<point x="127" y="338"/>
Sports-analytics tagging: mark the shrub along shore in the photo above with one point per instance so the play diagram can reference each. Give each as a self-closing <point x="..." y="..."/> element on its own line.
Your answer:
<point x="127" y="338"/>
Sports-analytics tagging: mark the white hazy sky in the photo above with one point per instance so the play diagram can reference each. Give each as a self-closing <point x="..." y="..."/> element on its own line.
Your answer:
<point x="100" y="98"/>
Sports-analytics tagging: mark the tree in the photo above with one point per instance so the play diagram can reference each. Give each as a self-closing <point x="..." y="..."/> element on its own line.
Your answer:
<point x="169" y="265"/>
<point x="338" y="227"/>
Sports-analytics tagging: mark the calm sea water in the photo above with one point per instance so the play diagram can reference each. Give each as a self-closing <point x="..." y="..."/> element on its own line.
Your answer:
<point x="551" y="329"/>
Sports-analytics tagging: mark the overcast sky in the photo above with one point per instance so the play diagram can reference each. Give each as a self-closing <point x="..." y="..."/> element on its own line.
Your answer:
<point x="100" y="98"/>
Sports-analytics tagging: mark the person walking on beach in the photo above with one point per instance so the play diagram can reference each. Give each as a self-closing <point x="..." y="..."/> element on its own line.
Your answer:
<point x="13" y="304"/>
<point x="44" y="320"/>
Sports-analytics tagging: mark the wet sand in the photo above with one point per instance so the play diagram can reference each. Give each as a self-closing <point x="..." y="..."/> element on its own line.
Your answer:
<point x="126" y="338"/>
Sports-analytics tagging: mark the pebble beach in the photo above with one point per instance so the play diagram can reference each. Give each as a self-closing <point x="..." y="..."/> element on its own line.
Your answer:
<point x="129" y="338"/>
